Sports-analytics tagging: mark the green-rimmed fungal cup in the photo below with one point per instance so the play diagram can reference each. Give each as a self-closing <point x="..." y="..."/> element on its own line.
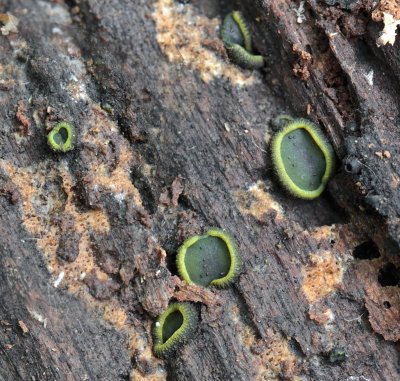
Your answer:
<point x="236" y="37"/>
<point x="62" y="137"/>
<point x="209" y="260"/>
<point x="303" y="158"/>
<point x="234" y="30"/>
<point x="173" y="327"/>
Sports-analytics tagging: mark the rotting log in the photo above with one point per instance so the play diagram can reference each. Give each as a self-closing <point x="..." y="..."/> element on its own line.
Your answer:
<point x="172" y="141"/>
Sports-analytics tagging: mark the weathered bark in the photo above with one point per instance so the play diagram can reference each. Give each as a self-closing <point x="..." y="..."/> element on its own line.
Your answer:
<point x="166" y="148"/>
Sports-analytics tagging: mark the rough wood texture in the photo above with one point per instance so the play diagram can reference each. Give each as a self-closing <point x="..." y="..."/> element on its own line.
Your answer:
<point x="171" y="141"/>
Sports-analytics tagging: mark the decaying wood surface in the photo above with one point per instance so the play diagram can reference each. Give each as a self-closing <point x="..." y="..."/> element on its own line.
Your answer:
<point x="172" y="140"/>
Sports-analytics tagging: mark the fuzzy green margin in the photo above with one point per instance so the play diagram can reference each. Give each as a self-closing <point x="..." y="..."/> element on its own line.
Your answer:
<point x="323" y="144"/>
<point x="69" y="144"/>
<point x="244" y="29"/>
<point x="241" y="55"/>
<point x="232" y="249"/>
<point x="235" y="17"/>
<point x="184" y="332"/>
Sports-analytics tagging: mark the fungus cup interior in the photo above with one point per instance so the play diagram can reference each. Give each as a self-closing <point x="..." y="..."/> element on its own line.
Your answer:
<point x="303" y="159"/>
<point x="171" y="324"/>
<point x="60" y="136"/>
<point x="230" y="31"/>
<point x="207" y="259"/>
<point x="237" y="40"/>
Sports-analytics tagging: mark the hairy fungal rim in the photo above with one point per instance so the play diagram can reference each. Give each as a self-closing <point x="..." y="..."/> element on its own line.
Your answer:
<point x="184" y="332"/>
<point x="68" y="144"/>
<point x="240" y="49"/>
<point x="323" y="144"/>
<point x="244" y="29"/>
<point x="239" y="55"/>
<point x="235" y="260"/>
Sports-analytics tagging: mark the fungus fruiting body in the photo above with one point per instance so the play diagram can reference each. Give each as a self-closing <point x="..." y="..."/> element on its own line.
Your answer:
<point x="281" y="121"/>
<point x="303" y="158"/>
<point x="337" y="355"/>
<point x="209" y="260"/>
<point x="62" y="137"/>
<point x="236" y="37"/>
<point x="173" y="327"/>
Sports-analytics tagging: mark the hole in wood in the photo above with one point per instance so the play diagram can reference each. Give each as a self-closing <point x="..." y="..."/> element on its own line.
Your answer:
<point x="389" y="275"/>
<point x="366" y="250"/>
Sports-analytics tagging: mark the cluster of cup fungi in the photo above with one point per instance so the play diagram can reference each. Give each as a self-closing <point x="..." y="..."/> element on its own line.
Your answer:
<point x="303" y="160"/>
<point x="205" y="260"/>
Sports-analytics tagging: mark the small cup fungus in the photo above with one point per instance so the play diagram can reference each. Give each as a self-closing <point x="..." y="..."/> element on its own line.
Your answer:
<point x="209" y="260"/>
<point x="303" y="158"/>
<point x="62" y="137"/>
<point x="236" y="37"/>
<point x="173" y="327"/>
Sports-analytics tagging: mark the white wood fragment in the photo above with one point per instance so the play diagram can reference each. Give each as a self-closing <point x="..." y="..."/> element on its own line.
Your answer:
<point x="59" y="279"/>
<point x="388" y="34"/>
<point x="10" y="24"/>
<point x="370" y="77"/>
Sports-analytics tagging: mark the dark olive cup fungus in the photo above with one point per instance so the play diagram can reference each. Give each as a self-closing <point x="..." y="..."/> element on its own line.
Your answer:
<point x="281" y="121"/>
<point x="236" y="37"/>
<point x="209" y="260"/>
<point x="62" y="137"/>
<point x="303" y="158"/>
<point x="173" y="327"/>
